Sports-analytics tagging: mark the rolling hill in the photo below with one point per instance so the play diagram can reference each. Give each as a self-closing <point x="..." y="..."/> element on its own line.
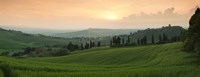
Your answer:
<point x="11" y="39"/>
<point x="95" y="32"/>
<point x="165" y="60"/>
<point x="47" y="32"/>
<point x="170" y="32"/>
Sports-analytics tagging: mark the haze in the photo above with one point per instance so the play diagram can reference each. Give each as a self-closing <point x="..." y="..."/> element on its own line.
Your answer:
<point x="82" y="14"/>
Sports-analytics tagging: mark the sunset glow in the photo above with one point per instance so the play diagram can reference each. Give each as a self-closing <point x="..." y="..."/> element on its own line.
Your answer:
<point x="111" y="17"/>
<point x="81" y="14"/>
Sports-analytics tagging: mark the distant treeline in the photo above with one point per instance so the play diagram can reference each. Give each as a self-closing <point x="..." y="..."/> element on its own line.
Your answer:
<point x="54" y="50"/>
<point x="149" y="36"/>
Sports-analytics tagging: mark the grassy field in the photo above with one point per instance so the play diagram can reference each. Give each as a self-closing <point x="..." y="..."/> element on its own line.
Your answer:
<point x="165" y="60"/>
<point x="17" y="40"/>
<point x="1" y="73"/>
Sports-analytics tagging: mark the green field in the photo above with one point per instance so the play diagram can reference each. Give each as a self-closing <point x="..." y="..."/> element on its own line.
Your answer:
<point x="1" y="73"/>
<point x="16" y="40"/>
<point x="166" y="60"/>
<point x="11" y="40"/>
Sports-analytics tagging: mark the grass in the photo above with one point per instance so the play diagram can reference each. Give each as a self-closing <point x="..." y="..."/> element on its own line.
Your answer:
<point x="18" y="40"/>
<point x="1" y="74"/>
<point x="165" y="60"/>
<point x="12" y="40"/>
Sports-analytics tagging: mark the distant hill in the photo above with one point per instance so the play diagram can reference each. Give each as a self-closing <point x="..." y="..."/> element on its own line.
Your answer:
<point x="170" y="31"/>
<point x="47" y="32"/>
<point x="95" y="32"/>
<point x="11" y="39"/>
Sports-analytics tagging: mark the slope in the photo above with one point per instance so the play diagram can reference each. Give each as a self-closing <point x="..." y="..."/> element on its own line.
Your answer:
<point x="11" y="39"/>
<point x="93" y="32"/>
<point x="143" y="55"/>
<point x="166" y="60"/>
<point x="169" y="31"/>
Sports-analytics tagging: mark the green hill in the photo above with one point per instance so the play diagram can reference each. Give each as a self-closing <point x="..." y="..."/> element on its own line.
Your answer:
<point x="95" y="32"/>
<point x="10" y="39"/>
<point x="165" y="60"/>
<point x="169" y="31"/>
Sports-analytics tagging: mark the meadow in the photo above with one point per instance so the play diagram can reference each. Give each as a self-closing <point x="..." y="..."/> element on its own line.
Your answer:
<point x="164" y="60"/>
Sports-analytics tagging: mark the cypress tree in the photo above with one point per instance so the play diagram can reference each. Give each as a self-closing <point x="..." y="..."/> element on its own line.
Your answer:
<point x="87" y="46"/>
<point x="118" y="40"/>
<point x="165" y="39"/>
<point x="114" y="40"/>
<point x="138" y="41"/>
<point x="82" y="48"/>
<point x="123" y="41"/>
<point x="128" y="40"/>
<point x="91" y="44"/>
<point x="111" y="42"/>
<point x="99" y="44"/>
<point x="70" y="46"/>
<point x="191" y="42"/>
<point x="152" y="39"/>
<point x="145" y="39"/>
<point x="160" y="39"/>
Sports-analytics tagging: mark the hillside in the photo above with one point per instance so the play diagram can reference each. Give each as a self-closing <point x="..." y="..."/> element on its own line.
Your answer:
<point x="95" y="32"/>
<point x="165" y="60"/>
<point x="126" y="55"/>
<point x="170" y="32"/>
<point x="11" y="39"/>
<point x="47" y="32"/>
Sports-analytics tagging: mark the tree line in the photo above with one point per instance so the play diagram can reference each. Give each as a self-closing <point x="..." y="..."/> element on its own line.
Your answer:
<point x="54" y="50"/>
<point x="162" y="39"/>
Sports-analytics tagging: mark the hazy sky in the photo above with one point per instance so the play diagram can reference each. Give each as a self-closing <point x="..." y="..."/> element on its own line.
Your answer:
<point x="81" y="14"/>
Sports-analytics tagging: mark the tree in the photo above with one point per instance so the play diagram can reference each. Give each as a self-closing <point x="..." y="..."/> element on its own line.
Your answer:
<point x="76" y="47"/>
<point x="87" y="46"/>
<point x="170" y="25"/>
<point x="131" y="33"/>
<point x="91" y="44"/>
<point x="114" y="40"/>
<point x="123" y="41"/>
<point x="192" y="41"/>
<point x="82" y="48"/>
<point x="152" y="39"/>
<point x="141" y="41"/>
<point x="129" y="41"/>
<point x="27" y="50"/>
<point x="138" y="41"/>
<point x="118" y="40"/>
<point x="160" y="39"/>
<point x="111" y="42"/>
<point x="70" y="46"/>
<point x="145" y="39"/>
<point x="99" y="44"/>
<point x="165" y="38"/>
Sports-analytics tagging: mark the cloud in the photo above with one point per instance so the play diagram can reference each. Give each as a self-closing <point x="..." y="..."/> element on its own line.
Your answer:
<point x="94" y="13"/>
<point x="169" y="11"/>
<point x="168" y="16"/>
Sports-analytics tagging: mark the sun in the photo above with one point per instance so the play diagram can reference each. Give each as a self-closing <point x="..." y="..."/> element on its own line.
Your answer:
<point x="111" y="17"/>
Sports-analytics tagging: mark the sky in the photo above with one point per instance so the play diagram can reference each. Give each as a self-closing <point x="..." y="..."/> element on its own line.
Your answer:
<point x="83" y="14"/>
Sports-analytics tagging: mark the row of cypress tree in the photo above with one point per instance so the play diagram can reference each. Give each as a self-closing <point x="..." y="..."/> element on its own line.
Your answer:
<point x="120" y="40"/>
